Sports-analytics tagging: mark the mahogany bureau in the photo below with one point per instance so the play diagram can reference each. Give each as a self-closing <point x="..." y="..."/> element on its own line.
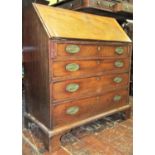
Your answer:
<point x="77" y="70"/>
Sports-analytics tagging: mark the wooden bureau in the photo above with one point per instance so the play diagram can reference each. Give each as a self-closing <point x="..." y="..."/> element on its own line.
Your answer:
<point x="77" y="70"/>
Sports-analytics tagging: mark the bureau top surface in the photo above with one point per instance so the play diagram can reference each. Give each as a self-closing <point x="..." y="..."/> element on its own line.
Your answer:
<point x="62" y="23"/>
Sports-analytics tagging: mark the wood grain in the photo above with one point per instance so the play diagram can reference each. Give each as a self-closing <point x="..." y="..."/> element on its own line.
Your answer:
<point x="36" y="69"/>
<point x="87" y="86"/>
<point x="100" y="50"/>
<point x="64" y="23"/>
<point x="87" y="107"/>
<point x="86" y="67"/>
<point x="48" y="31"/>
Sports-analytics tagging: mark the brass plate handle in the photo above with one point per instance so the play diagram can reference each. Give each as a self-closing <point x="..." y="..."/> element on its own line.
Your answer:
<point x="119" y="63"/>
<point x="117" y="98"/>
<point x="72" y="67"/>
<point x="118" y="79"/>
<point x="72" y="49"/>
<point x="72" y="110"/>
<point x="119" y="50"/>
<point x="73" y="87"/>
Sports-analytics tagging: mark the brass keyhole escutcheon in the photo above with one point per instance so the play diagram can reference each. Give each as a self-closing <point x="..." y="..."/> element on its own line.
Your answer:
<point x="98" y="48"/>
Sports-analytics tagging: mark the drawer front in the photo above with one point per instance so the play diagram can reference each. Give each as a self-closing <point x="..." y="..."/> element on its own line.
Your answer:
<point x="88" y="86"/>
<point x="89" y="67"/>
<point x="69" y="112"/>
<point x="75" y="50"/>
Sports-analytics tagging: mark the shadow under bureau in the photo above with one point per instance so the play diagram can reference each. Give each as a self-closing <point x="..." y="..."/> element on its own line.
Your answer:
<point x="77" y="70"/>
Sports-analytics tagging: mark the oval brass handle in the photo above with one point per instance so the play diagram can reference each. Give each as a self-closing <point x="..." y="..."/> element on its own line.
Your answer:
<point x="118" y="79"/>
<point x="117" y="98"/>
<point x="73" y="87"/>
<point x="119" y="50"/>
<point x="119" y="63"/>
<point x="72" y="49"/>
<point x="72" y="67"/>
<point x="72" y="110"/>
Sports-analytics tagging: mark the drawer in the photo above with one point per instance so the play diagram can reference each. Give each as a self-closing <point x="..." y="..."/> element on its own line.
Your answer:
<point x="71" y="112"/>
<point x="85" y="50"/>
<point x="88" y="67"/>
<point x="87" y="86"/>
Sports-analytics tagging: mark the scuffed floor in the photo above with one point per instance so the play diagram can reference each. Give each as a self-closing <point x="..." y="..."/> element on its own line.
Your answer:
<point x="113" y="140"/>
<point x="107" y="136"/>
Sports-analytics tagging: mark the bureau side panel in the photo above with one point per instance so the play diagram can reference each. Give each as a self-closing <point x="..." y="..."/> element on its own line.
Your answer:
<point x="36" y="68"/>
